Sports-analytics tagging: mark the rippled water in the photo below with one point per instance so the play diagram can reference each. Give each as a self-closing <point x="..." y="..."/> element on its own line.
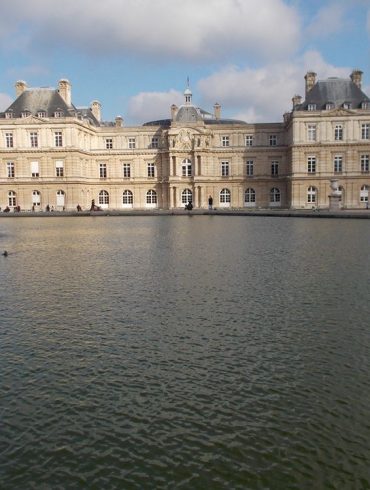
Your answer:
<point x="185" y="352"/>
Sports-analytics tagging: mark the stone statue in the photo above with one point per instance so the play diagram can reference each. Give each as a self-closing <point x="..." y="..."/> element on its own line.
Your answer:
<point x="334" y="187"/>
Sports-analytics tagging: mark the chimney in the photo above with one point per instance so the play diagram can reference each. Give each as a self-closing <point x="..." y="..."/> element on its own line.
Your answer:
<point x="310" y="78"/>
<point x="20" y="87"/>
<point x="174" y="110"/>
<point x="64" y="89"/>
<point x="119" y="121"/>
<point x="356" y="77"/>
<point x="96" y="109"/>
<point x="297" y="99"/>
<point x="217" y="111"/>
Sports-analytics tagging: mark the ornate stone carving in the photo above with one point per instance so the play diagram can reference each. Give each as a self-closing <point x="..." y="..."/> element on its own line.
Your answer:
<point x="184" y="140"/>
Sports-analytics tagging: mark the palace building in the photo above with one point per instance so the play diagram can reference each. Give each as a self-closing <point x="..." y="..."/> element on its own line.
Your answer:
<point x="55" y="153"/>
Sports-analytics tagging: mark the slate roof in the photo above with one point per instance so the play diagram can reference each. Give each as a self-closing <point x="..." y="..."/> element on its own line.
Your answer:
<point x="49" y="101"/>
<point x="188" y="114"/>
<point x="336" y="91"/>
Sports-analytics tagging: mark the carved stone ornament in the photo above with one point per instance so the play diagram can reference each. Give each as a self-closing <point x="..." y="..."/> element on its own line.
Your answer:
<point x="184" y="140"/>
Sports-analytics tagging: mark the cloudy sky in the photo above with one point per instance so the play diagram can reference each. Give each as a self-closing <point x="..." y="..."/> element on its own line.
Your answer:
<point x="134" y="56"/>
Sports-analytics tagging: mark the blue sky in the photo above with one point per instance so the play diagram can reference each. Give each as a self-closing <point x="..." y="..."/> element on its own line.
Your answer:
<point x="134" y="55"/>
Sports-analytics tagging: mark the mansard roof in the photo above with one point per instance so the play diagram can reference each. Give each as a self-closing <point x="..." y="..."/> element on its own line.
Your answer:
<point x="335" y="91"/>
<point x="46" y="100"/>
<point x="188" y="114"/>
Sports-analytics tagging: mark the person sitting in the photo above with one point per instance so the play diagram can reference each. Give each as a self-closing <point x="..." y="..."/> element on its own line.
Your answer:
<point x="189" y="206"/>
<point x="6" y="210"/>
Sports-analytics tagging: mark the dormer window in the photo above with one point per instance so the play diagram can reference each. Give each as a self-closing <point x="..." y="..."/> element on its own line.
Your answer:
<point x="9" y="115"/>
<point x="311" y="107"/>
<point x="41" y="114"/>
<point x="347" y="105"/>
<point x="364" y="105"/>
<point x="329" y="106"/>
<point x="25" y="113"/>
<point x="58" y="114"/>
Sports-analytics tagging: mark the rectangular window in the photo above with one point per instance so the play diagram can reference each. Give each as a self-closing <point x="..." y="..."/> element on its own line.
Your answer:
<point x="338" y="163"/>
<point x="311" y="132"/>
<point x="249" y="140"/>
<point x="126" y="170"/>
<point x="132" y="143"/>
<point x="103" y="170"/>
<point x="311" y="165"/>
<point x="249" y="167"/>
<point x="338" y="132"/>
<point x="58" y="138"/>
<point x="225" y="141"/>
<point x="274" y="168"/>
<point x="10" y="170"/>
<point x="311" y="107"/>
<point x="9" y="142"/>
<point x="186" y="170"/>
<point x="365" y="159"/>
<point x="34" y="140"/>
<point x="225" y="168"/>
<point x="109" y="143"/>
<point x="59" y="168"/>
<point x="365" y="131"/>
<point x="151" y="170"/>
<point x="35" y="172"/>
<point x="273" y="140"/>
<point x="155" y="142"/>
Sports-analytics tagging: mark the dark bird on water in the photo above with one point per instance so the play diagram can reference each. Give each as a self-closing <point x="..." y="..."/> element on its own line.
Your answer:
<point x="5" y="253"/>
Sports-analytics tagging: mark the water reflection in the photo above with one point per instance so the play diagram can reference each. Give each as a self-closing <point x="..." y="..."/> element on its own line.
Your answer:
<point x="177" y="352"/>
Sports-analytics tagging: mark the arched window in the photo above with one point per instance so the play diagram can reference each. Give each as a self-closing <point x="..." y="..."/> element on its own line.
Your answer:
<point x="311" y="195"/>
<point x="103" y="199"/>
<point x="151" y="198"/>
<point x="12" y="199"/>
<point x="249" y="197"/>
<point x="186" y="168"/>
<point x="127" y="198"/>
<point x="364" y="193"/>
<point x="61" y="199"/>
<point x="275" y="197"/>
<point x="225" y="198"/>
<point x="36" y="199"/>
<point x="186" y="196"/>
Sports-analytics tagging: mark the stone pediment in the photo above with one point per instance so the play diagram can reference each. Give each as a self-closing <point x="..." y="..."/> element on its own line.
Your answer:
<point x="190" y="139"/>
<point x="340" y="112"/>
<point x="30" y="120"/>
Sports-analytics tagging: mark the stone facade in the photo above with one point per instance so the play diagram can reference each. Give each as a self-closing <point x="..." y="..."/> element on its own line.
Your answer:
<point x="54" y="153"/>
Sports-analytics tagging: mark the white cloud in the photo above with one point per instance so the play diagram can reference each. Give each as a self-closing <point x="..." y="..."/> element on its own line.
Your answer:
<point x="149" y="106"/>
<point x="186" y="29"/>
<point x="263" y="94"/>
<point x="5" y="101"/>
<point x="328" y="20"/>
